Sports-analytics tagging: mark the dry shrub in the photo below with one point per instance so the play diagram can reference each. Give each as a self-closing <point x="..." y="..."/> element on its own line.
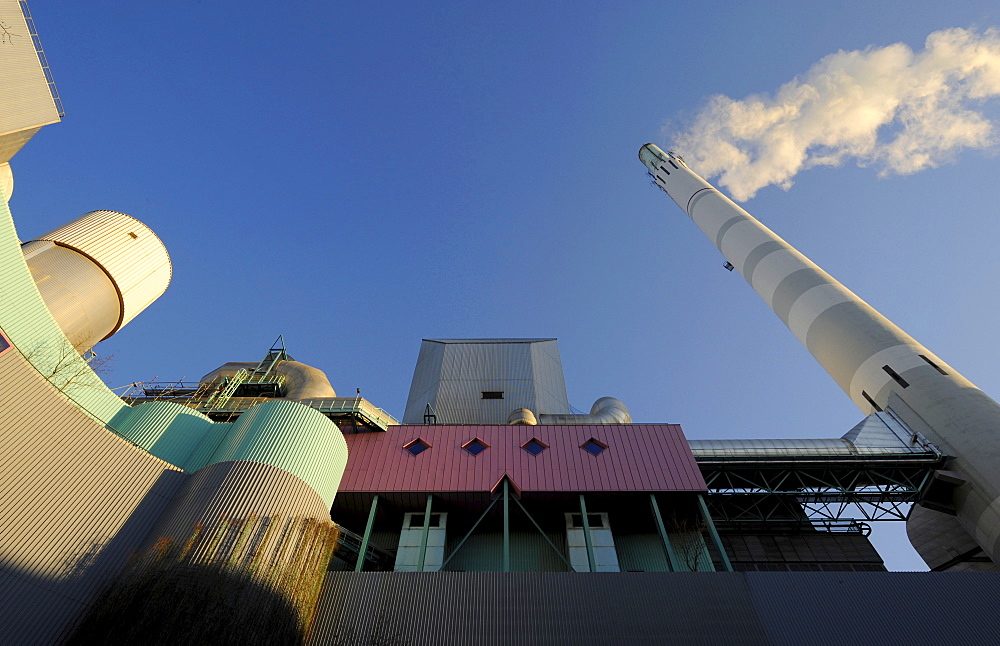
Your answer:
<point x="241" y="581"/>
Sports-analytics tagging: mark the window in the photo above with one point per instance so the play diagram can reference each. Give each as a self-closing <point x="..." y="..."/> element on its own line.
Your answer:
<point x="596" y="521"/>
<point x="534" y="446"/>
<point x="416" y="447"/>
<point x="934" y="365"/>
<point x="593" y="446"/>
<point x="871" y="401"/>
<point x="492" y="394"/>
<point x="895" y="376"/>
<point x="475" y="446"/>
<point x="417" y="521"/>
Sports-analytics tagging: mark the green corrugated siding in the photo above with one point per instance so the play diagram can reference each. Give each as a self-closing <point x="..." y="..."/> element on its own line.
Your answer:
<point x="168" y="430"/>
<point x="690" y="549"/>
<point x="26" y="322"/>
<point x="483" y="552"/>
<point x="286" y="435"/>
<point x="292" y="437"/>
<point x="641" y="553"/>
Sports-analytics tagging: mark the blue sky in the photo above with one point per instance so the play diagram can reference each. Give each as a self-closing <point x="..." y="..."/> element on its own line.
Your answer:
<point x="357" y="177"/>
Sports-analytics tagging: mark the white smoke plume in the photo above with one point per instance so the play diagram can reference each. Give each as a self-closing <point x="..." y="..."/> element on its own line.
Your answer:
<point x="891" y="108"/>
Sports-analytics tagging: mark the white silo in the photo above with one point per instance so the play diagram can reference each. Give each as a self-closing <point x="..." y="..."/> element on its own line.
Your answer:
<point x="97" y="273"/>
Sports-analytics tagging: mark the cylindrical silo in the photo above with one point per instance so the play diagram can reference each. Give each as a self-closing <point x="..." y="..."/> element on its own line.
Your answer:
<point x="97" y="273"/>
<point x="876" y="363"/>
<point x="6" y="180"/>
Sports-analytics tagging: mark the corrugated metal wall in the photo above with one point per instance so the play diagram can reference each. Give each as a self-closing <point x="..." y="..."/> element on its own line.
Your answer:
<point x="236" y="490"/>
<point x="75" y="501"/>
<point x="127" y="249"/>
<point x="793" y="608"/>
<point x="293" y="437"/>
<point x="532" y="608"/>
<point x="77" y="292"/>
<point x="451" y="376"/>
<point x="25" y="100"/>
<point x="639" y="457"/>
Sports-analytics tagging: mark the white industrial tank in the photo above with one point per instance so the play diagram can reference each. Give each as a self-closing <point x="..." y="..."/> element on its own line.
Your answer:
<point x="97" y="273"/>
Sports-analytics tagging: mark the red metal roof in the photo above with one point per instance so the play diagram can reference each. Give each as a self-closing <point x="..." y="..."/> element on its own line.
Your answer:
<point x="639" y="457"/>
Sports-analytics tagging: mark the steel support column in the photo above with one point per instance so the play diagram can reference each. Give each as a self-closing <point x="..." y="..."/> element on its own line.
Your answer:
<point x="726" y="565"/>
<point x="368" y="533"/>
<point x="423" y="536"/>
<point x="667" y="547"/>
<point x="506" y="526"/>
<point x="586" y="536"/>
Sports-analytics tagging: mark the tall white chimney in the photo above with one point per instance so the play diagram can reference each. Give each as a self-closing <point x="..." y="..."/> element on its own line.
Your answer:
<point x="877" y="364"/>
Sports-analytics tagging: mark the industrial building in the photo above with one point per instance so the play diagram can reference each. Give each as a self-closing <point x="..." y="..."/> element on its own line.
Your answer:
<point x="492" y="512"/>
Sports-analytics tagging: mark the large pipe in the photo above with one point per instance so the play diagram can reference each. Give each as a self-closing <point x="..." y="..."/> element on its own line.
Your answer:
<point x="877" y="364"/>
<point x="606" y="410"/>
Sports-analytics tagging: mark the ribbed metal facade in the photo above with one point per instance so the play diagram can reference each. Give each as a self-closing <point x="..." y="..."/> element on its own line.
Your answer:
<point x="237" y="490"/>
<point x="76" y="290"/>
<point x="452" y="375"/>
<point x="292" y="437"/>
<point x="639" y="457"/>
<point x="78" y="494"/>
<point x="168" y="430"/>
<point x="543" y="608"/>
<point x="75" y="501"/>
<point x="25" y="100"/>
<point x="126" y="249"/>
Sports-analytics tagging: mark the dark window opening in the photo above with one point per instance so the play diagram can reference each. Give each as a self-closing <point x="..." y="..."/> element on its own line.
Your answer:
<point x="664" y="170"/>
<point x="417" y="446"/>
<point x="594" y="447"/>
<point x="596" y="521"/>
<point x="871" y="401"/>
<point x="674" y="165"/>
<point x="475" y="446"/>
<point x="534" y="447"/>
<point x="417" y="520"/>
<point x="134" y="236"/>
<point x="895" y="376"/>
<point x="933" y="365"/>
<point x="492" y="394"/>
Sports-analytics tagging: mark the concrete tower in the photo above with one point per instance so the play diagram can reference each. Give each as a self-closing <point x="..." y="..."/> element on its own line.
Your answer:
<point x="878" y="365"/>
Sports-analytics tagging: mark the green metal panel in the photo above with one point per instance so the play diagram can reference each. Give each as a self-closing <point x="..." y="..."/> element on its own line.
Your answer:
<point x="360" y="563"/>
<point x="692" y="554"/>
<point x="27" y="324"/>
<point x="483" y="552"/>
<point x="385" y="539"/>
<point x="641" y="552"/>
<point x="713" y="534"/>
<point x="591" y="567"/>
<point x="292" y="437"/>
<point x="283" y="434"/>
<point x="668" y="549"/>
<point x="168" y="430"/>
<point x="506" y="525"/>
<point x="531" y="553"/>
<point x="423" y="534"/>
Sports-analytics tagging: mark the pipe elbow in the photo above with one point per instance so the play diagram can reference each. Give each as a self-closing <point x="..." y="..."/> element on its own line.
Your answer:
<point x="522" y="417"/>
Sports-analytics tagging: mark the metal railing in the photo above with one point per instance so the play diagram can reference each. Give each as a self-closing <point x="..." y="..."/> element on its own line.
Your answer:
<point x="37" y="42"/>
